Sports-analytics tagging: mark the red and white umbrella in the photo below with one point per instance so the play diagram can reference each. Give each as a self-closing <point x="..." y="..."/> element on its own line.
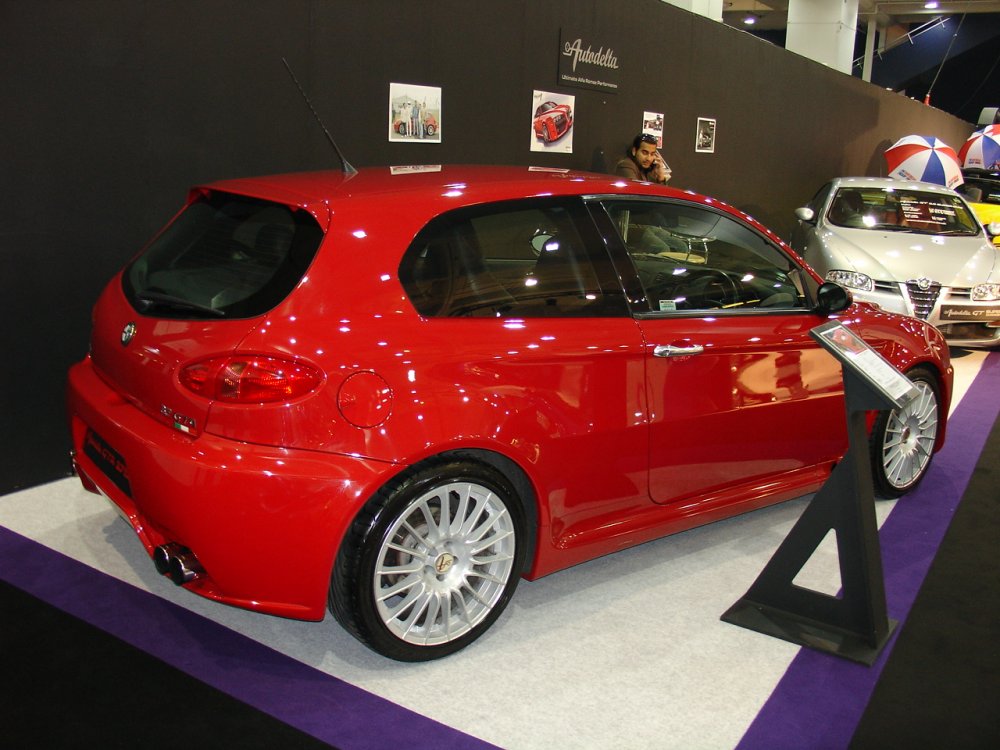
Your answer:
<point x="982" y="150"/>
<point x="924" y="158"/>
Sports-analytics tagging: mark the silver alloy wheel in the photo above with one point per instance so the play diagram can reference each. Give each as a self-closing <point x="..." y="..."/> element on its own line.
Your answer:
<point x="909" y="438"/>
<point x="444" y="564"/>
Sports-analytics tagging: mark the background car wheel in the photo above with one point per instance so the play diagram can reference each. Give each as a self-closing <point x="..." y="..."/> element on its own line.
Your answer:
<point x="431" y="561"/>
<point x="902" y="440"/>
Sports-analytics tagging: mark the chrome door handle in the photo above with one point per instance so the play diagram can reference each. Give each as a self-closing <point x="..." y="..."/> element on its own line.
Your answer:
<point x="668" y="350"/>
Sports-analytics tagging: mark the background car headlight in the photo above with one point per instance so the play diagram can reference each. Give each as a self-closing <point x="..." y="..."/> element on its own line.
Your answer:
<point x="851" y="279"/>
<point x="985" y="292"/>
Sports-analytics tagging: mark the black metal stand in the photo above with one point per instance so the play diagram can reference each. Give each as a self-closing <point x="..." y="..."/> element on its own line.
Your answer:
<point x="853" y="625"/>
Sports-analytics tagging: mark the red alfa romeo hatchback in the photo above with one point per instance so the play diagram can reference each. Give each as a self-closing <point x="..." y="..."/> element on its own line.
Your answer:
<point x="398" y="392"/>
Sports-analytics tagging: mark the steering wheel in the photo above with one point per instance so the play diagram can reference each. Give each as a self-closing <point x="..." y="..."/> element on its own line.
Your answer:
<point x="711" y="286"/>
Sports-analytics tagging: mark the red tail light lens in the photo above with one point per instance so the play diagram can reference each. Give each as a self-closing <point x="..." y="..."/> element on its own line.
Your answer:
<point x="253" y="379"/>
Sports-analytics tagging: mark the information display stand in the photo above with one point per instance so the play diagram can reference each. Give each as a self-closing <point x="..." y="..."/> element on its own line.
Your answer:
<point x="855" y="624"/>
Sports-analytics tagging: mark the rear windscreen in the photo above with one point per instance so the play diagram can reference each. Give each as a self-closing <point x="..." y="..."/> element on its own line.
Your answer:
<point x="225" y="256"/>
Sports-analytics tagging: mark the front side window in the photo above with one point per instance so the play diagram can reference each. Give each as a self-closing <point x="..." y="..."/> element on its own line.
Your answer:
<point x="816" y="204"/>
<point x="534" y="258"/>
<point x="690" y="258"/>
<point x="224" y="256"/>
<point x="893" y="209"/>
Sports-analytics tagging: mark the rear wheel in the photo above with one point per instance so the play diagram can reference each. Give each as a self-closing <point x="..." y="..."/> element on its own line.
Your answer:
<point x="902" y="440"/>
<point x="431" y="561"/>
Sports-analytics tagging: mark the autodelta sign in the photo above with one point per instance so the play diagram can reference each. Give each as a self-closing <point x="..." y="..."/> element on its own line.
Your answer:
<point x="587" y="62"/>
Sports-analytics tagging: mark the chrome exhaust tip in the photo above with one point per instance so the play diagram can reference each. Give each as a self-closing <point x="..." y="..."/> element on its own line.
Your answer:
<point x="177" y="562"/>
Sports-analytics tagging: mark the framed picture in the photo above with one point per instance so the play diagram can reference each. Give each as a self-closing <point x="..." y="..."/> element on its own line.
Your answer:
<point x="704" y="138"/>
<point x="652" y="124"/>
<point x="414" y="113"/>
<point x="552" y="122"/>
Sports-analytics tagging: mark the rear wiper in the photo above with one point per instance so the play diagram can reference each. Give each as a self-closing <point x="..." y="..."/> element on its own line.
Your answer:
<point x="148" y="300"/>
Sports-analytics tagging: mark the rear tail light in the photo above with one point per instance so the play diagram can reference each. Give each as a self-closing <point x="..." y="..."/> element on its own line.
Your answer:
<point x="251" y="379"/>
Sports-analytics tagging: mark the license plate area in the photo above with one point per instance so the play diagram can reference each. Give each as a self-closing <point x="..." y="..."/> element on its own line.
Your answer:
<point x="108" y="460"/>
<point x="951" y="313"/>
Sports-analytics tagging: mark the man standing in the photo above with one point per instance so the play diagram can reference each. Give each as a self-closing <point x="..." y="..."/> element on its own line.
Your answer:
<point x="644" y="162"/>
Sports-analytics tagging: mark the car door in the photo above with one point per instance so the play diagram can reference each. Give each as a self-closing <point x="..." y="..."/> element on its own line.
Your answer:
<point x="740" y="396"/>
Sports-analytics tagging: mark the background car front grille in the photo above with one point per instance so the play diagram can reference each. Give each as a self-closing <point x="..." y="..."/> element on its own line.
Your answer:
<point x="923" y="299"/>
<point x="888" y="287"/>
<point x="969" y="332"/>
<point x="960" y="294"/>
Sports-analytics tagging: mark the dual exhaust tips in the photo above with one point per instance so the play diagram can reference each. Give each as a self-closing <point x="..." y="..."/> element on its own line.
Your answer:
<point x="177" y="562"/>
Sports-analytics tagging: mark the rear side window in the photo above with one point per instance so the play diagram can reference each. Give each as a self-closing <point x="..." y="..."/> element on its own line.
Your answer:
<point x="225" y="256"/>
<point x="536" y="258"/>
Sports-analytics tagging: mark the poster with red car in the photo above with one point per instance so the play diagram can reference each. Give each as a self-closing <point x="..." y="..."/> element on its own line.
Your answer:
<point x="552" y="122"/>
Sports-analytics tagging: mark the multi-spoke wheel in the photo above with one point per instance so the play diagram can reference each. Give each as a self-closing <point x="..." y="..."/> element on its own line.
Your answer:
<point x="430" y="562"/>
<point x="902" y="440"/>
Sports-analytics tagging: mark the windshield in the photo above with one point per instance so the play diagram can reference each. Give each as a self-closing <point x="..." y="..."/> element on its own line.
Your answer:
<point x="894" y="209"/>
<point x="224" y="256"/>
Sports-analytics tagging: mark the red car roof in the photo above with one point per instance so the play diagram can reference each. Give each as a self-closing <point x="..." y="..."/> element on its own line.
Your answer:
<point x="447" y="186"/>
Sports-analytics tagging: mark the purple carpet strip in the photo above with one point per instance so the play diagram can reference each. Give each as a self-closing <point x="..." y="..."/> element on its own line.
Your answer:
<point x="314" y="702"/>
<point x="817" y="704"/>
<point x="819" y="701"/>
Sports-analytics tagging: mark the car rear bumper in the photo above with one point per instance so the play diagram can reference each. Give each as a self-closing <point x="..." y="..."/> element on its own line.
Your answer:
<point x="264" y="522"/>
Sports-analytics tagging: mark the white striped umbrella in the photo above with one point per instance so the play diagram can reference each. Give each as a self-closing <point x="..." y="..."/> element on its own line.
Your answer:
<point x="982" y="150"/>
<point x="924" y="158"/>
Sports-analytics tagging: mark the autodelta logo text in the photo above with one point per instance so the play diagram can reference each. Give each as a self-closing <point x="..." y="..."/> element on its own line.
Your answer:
<point x="603" y="58"/>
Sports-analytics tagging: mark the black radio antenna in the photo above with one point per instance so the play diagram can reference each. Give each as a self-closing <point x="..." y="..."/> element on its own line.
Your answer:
<point x="346" y="165"/>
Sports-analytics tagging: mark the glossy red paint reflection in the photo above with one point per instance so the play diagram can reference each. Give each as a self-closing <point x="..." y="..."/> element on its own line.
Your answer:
<point x="255" y="439"/>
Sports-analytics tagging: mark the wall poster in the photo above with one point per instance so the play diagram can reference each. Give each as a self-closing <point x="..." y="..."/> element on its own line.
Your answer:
<point x="414" y="113"/>
<point x="552" y="122"/>
<point x="652" y="124"/>
<point x="704" y="139"/>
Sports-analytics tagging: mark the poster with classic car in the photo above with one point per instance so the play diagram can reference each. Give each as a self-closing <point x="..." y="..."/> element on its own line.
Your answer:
<point x="414" y="113"/>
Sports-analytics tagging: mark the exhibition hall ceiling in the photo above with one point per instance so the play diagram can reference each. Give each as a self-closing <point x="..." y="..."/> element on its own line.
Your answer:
<point x="773" y="14"/>
<point x="946" y="55"/>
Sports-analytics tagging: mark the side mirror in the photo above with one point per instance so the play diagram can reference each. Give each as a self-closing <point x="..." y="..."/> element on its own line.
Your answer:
<point x="805" y="214"/>
<point x="831" y="298"/>
<point x="539" y="241"/>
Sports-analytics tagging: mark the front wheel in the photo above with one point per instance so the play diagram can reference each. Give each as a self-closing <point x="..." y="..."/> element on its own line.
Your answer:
<point x="431" y="561"/>
<point x="902" y="440"/>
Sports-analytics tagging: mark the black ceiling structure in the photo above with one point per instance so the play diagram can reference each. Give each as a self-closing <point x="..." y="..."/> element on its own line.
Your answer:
<point x="948" y="56"/>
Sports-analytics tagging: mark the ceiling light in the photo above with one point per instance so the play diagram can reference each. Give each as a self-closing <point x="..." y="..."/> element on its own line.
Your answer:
<point x="932" y="5"/>
<point x="749" y="19"/>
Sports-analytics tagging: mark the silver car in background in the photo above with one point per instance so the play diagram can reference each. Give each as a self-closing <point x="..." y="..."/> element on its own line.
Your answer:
<point x="910" y="247"/>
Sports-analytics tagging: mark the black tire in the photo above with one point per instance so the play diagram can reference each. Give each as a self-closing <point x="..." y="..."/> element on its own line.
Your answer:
<point x="439" y="588"/>
<point x="902" y="440"/>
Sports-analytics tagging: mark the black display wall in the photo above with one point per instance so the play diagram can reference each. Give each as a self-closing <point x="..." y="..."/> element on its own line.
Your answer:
<point x="113" y="108"/>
